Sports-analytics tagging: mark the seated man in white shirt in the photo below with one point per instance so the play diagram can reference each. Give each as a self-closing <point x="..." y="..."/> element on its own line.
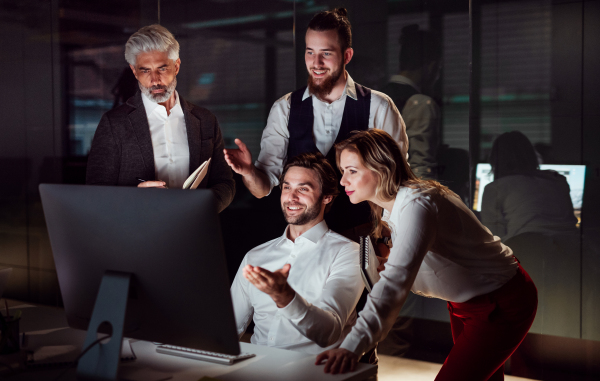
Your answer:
<point x="301" y="288"/>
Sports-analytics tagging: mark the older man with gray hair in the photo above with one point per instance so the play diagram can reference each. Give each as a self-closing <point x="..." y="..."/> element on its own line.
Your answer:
<point x="157" y="139"/>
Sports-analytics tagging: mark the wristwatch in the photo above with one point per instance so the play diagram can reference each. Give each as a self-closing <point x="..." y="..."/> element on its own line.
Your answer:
<point x="385" y="240"/>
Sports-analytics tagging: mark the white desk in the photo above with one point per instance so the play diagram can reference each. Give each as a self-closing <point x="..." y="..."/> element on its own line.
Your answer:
<point x="269" y="363"/>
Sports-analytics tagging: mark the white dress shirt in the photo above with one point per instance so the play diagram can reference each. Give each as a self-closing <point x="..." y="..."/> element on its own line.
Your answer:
<point x="169" y="142"/>
<point x="440" y="250"/>
<point x="383" y="114"/>
<point x="326" y="277"/>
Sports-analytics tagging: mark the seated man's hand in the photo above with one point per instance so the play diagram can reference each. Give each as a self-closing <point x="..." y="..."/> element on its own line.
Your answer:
<point x="152" y="184"/>
<point x="339" y="360"/>
<point x="240" y="160"/>
<point x="273" y="284"/>
<point x="382" y="261"/>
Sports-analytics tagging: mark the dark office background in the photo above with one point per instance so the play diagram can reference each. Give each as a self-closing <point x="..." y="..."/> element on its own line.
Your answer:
<point x="531" y="66"/>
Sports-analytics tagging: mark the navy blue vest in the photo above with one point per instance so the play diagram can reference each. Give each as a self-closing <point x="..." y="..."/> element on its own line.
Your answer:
<point x="343" y="215"/>
<point x="300" y="124"/>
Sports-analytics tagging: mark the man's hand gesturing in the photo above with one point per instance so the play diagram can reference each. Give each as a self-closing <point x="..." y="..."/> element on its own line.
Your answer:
<point x="240" y="160"/>
<point x="273" y="284"/>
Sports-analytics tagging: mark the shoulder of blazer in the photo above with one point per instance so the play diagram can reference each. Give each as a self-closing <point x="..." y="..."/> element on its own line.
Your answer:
<point x="199" y="112"/>
<point x="126" y="108"/>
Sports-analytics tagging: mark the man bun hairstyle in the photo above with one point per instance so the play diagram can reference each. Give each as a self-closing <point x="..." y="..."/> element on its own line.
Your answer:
<point x="151" y="38"/>
<point x="336" y="19"/>
<point x="326" y="175"/>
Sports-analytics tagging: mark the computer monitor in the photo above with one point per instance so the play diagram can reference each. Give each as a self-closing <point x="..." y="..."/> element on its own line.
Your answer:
<point x="168" y="240"/>
<point x="575" y="175"/>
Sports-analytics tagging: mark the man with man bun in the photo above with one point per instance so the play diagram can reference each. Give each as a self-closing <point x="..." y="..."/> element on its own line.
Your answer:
<point x="315" y="117"/>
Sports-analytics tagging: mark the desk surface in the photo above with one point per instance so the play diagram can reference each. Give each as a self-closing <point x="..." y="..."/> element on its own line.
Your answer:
<point x="269" y="363"/>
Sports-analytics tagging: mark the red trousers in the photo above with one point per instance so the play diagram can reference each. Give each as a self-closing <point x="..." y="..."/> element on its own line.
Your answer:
<point x="488" y="329"/>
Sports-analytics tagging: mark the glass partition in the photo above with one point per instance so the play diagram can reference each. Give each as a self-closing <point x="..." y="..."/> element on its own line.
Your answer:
<point x="515" y="85"/>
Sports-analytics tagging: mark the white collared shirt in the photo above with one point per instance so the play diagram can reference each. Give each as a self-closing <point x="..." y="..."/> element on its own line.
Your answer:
<point x="383" y="114"/>
<point x="440" y="250"/>
<point x="326" y="277"/>
<point x="169" y="142"/>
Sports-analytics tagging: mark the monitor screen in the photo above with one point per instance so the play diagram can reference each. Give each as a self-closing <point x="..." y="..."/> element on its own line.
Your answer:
<point x="169" y="240"/>
<point x="575" y="175"/>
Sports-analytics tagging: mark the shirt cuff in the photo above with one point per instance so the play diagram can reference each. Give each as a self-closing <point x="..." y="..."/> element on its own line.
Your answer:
<point x="273" y="180"/>
<point x="354" y="344"/>
<point x="296" y="309"/>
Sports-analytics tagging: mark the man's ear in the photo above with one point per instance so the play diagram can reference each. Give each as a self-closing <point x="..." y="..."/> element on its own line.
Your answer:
<point x="133" y="70"/>
<point x="327" y="199"/>
<point x="348" y="55"/>
<point x="177" y="65"/>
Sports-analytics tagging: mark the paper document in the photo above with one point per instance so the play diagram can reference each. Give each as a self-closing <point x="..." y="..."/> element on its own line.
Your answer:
<point x="196" y="178"/>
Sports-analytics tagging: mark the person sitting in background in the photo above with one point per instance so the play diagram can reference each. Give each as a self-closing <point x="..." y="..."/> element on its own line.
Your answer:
<point x="301" y="288"/>
<point x="522" y="198"/>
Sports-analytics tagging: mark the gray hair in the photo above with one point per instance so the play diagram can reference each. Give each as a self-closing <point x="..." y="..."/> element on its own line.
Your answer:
<point x="151" y="38"/>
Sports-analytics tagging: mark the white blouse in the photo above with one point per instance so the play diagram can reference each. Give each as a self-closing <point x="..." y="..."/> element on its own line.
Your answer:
<point x="439" y="250"/>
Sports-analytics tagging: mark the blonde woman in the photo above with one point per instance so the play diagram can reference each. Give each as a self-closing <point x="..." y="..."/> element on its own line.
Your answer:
<point x="439" y="250"/>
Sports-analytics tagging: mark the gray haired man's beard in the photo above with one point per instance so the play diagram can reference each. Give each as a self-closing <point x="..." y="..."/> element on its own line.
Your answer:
<point x="159" y="98"/>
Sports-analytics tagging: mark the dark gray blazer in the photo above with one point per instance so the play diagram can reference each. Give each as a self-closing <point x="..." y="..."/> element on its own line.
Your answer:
<point x="122" y="149"/>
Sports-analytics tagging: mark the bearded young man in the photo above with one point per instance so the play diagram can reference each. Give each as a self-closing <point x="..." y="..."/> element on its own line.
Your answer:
<point x="315" y="117"/>
<point x="157" y="139"/>
<point x="301" y="289"/>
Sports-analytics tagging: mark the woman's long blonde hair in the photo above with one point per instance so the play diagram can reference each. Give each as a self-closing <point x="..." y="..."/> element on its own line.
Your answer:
<point x="381" y="154"/>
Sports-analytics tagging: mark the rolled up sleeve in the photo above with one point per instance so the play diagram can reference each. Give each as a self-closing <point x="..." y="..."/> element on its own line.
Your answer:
<point x="274" y="141"/>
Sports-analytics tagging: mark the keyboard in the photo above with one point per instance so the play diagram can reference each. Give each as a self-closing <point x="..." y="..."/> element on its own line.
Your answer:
<point x="197" y="354"/>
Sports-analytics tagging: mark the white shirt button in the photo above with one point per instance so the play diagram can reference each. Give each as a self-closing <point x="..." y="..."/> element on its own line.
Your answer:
<point x="293" y="255"/>
<point x="271" y="338"/>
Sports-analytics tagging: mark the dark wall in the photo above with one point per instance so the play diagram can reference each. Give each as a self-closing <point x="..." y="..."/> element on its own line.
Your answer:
<point x="31" y="139"/>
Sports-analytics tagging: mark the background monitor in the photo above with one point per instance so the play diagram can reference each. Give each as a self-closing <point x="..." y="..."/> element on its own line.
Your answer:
<point x="575" y="175"/>
<point x="170" y="240"/>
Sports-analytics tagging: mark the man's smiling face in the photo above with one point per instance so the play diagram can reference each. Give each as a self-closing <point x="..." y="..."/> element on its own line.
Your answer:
<point x="325" y="61"/>
<point x="301" y="198"/>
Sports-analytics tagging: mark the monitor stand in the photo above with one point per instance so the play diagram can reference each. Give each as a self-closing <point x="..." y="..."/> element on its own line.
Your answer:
<point x="101" y="361"/>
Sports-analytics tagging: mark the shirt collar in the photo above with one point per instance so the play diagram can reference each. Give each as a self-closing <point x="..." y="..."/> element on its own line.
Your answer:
<point x="349" y="90"/>
<point x="402" y="80"/>
<point x="400" y="196"/>
<point x="313" y="234"/>
<point x="150" y="105"/>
